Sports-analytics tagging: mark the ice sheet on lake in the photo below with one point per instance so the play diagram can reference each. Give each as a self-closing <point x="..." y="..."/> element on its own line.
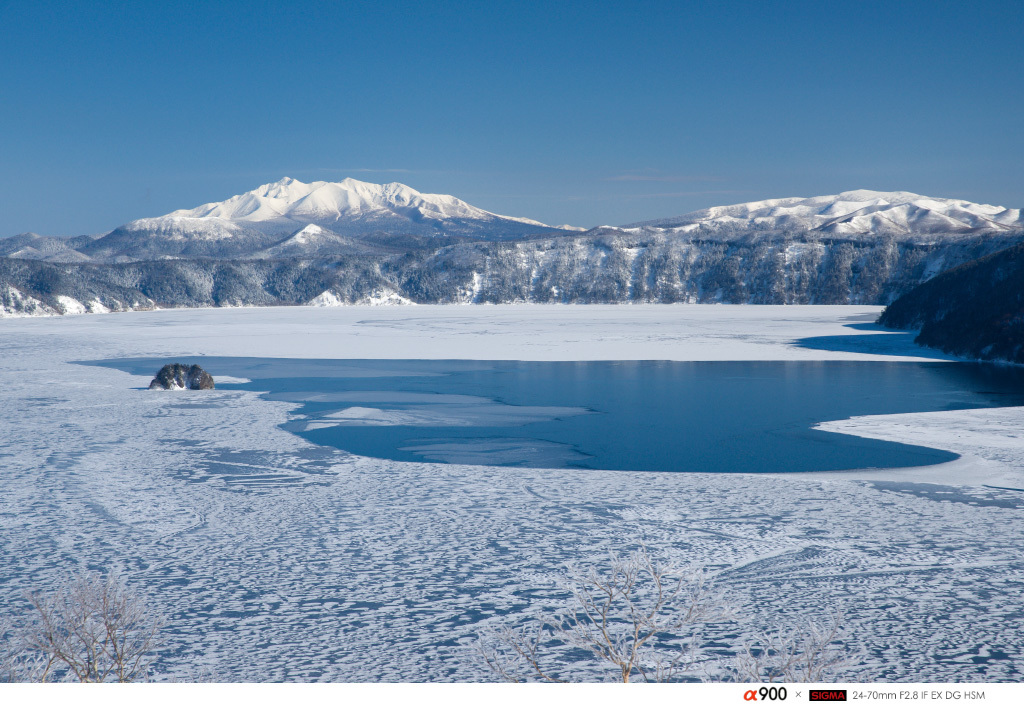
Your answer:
<point x="275" y="559"/>
<point x="376" y="397"/>
<point x="485" y="413"/>
<point x="232" y="380"/>
<point x="525" y="452"/>
<point x="991" y="441"/>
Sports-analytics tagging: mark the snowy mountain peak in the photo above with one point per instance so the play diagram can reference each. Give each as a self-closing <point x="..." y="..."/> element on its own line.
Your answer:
<point x="298" y="219"/>
<point x="309" y="232"/>
<point x="348" y="206"/>
<point x="867" y="195"/>
<point x="860" y="212"/>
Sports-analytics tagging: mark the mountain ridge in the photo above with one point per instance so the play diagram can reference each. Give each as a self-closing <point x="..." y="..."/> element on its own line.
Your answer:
<point x="248" y="224"/>
<point x="858" y="247"/>
<point x="349" y="207"/>
<point x="266" y="222"/>
<point x="852" y="214"/>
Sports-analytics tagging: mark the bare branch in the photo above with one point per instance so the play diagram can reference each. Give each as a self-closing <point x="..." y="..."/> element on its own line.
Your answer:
<point x="635" y="615"/>
<point x="92" y="629"/>
<point x="813" y="654"/>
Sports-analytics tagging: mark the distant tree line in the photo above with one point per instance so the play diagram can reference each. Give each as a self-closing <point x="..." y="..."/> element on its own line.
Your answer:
<point x="596" y="267"/>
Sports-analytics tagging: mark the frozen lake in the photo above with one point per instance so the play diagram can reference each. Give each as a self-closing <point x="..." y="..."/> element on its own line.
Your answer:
<point x="276" y="559"/>
<point x="752" y="416"/>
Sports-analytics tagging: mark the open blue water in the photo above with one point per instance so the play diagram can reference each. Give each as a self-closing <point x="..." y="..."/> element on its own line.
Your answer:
<point x="622" y="415"/>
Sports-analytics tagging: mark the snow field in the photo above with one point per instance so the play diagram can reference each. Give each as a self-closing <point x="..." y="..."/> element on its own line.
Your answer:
<point x="278" y="560"/>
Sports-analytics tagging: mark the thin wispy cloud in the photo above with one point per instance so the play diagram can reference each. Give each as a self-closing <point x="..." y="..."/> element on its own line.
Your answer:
<point x="658" y="176"/>
<point x="654" y="195"/>
<point x="401" y="170"/>
<point x="293" y="170"/>
<point x="697" y="193"/>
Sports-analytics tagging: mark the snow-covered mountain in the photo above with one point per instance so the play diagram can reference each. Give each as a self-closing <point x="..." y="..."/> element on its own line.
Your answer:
<point x="599" y="266"/>
<point x="353" y="242"/>
<point x="350" y="207"/>
<point x="292" y="219"/>
<point x="259" y="222"/>
<point x="346" y="208"/>
<point x="57" y="249"/>
<point x="858" y="214"/>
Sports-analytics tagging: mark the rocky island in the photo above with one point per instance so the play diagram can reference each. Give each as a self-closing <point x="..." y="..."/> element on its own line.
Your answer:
<point x="177" y="377"/>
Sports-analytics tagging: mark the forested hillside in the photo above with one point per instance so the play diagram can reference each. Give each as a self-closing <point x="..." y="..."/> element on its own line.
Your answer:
<point x="599" y="266"/>
<point x="975" y="310"/>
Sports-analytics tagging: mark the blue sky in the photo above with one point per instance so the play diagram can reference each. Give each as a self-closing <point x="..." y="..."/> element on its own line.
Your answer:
<point x="568" y="112"/>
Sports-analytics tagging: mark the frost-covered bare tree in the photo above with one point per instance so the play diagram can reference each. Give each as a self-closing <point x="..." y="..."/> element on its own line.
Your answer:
<point x="635" y="617"/>
<point x="814" y="653"/>
<point x="92" y="629"/>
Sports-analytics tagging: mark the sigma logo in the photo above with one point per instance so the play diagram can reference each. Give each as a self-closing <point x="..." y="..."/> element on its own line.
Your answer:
<point x="828" y="695"/>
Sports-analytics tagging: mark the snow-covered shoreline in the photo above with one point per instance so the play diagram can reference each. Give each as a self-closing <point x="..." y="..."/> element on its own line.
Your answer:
<point x="528" y="332"/>
<point x="313" y="564"/>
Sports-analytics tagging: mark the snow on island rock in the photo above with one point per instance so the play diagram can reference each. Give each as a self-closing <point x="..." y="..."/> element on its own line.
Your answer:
<point x="178" y="377"/>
